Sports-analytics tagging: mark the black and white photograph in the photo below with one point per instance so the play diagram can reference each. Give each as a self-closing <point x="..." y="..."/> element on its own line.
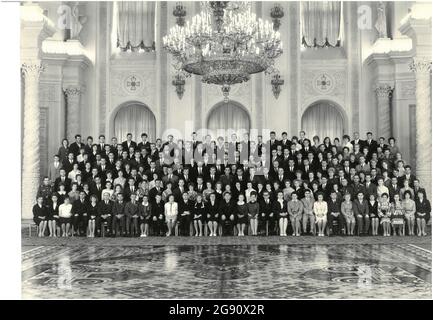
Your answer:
<point x="223" y="150"/>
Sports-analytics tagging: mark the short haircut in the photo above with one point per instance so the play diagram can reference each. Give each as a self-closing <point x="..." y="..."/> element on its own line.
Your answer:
<point x="77" y="136"/>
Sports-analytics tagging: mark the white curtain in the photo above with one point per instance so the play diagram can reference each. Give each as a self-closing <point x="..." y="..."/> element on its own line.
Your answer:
<point x="320" y="23"/>
<point x="135" y="25"/>
<point x="324" y="120"/>
<point x="136" y="119"/>
<point x="227" y="118"/>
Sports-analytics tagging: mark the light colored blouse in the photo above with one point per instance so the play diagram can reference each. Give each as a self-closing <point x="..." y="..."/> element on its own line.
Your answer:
<point x="320" y="209"/>
<point x="65" y="210"/>
<point x="171" y="209"/>
<point x="347" y="208"/>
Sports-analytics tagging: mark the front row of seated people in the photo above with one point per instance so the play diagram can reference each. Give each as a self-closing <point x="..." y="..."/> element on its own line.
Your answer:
<point x="219" y="214"/>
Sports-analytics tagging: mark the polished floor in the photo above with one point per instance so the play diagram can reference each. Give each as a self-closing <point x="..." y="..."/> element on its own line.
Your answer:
<point x="288" y="271"/>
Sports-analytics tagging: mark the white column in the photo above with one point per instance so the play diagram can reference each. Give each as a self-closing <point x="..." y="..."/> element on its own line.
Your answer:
<point x="73" y="94"/>
<point x="383" y="93"/>
<point x="31" y="163"/>
<point x="422" y="69"/>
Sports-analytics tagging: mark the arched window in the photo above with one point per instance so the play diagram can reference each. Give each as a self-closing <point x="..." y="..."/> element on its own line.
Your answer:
<point x="135" y="118"/>
<point x="323" y="119"/>
<point x="226" y="116"/>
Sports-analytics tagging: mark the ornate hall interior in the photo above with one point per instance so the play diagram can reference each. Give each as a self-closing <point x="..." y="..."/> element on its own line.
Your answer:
<point x="84" y="72"/>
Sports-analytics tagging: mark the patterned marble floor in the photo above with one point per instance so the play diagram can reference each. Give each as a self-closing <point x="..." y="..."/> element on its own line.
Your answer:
<point x="301" y="271"/>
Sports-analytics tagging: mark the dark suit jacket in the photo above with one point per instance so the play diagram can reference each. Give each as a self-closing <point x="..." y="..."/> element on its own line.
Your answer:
<point x="126" y="147"/>
<point x="105" y="209"/>
<point x="75" y="148"/>
<point x="67" y="184"/>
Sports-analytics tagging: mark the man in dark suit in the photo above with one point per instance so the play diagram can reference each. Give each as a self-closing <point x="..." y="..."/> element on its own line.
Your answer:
<point x="101" y="144"/>
<point x="194" y="140"/>
<point x="128" y="142"/>
<point x="68" y="164"/>
<point x="226" y="178"/>
<point x="357" y="140"/>
<point x="105" y="208"/>
<point x="130" y="188"/>
<point x="144" y="144"/>
<point x="64" y="180"/>
<point x="370" y="143"/>
<point x="273" y="142"/>
<point x="79" y="215"/>
<point x="76" y="146"/>
<point x="157" y="189"/>
<point x="89" y="144"/>
<point x="212" y="176"/>
<point x="96" y="187"/>
<point x="407" y="176"/>
<point x="285" y="142"/>
<point x="114" y="145"/>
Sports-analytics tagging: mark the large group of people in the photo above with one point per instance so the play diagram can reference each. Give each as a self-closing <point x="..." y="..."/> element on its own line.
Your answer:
<point x="242" y="186"/>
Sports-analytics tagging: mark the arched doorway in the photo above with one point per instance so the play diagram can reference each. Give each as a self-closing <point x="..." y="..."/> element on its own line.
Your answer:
<point x="324" y="119"/>
<point x="228" y="116"/>
<point x="136" y="118"/>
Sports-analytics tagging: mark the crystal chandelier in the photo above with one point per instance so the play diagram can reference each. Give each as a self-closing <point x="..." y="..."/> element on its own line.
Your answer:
<point x="225" y="43"/>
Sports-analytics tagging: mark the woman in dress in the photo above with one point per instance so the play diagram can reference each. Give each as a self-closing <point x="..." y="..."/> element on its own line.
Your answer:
<point x="287" y="191"/>
<point x="423" y="210"/>
<point x="409" y="209"/>
<point x="63" y="150"/>
<point x="374" y="217"/>
<point x="280" y="210"/>
<point x="248" y="191"/>
<point x="192" y="194"/>
<point x="53" y="215"/>
<point x="384" y="213"/>
<point x="347" y="212"/>
<point x="92" y="212"/>
<point x="295" y="209"/>
<point x="392" y="147"/>
<point x="40" y="216"/>
<point x="405" y="188"/>
<point x="381" y="188"/>
<point x="167" y="192"/>
<point x="241" y="214"/>
<point x="144" y="212"/>
<point x="212" y="215"/>
<point x="74" y="194"/>
<point x="208" y="191"/>
<point x="397" y="216"/>
<point x="199" y="212"/>
<point x="253" y="212"/>
<point x="320" y="209"/>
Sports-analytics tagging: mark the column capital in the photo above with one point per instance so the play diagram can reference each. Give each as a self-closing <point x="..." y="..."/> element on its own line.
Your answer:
<point x="73" y="90"/>
<point x="383" y="90"/>
<point x="32" y="68"/>
<point x="421" y="65"/>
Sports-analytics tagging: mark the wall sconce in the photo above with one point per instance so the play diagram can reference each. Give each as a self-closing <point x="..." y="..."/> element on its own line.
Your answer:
<point x="276" y="83"/>
<point x="179" y="12"/>
<point x="276" y="14"/>
<point x="179" y="83"/>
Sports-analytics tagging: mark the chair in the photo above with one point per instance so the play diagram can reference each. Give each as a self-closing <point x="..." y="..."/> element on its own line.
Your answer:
<point x="103" y="226"/>
<point x="31" y="225"/>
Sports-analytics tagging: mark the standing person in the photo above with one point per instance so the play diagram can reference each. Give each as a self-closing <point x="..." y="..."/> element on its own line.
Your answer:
<point x="170" y="212"/>
<point x="53" y="215"/>
<point x="362" y="214"/>
<point x="295" y="209"/>
<point x="423" y="210"/>
<point x="373" y="212"/>
<point x="241" y="214"/>
<point x="145" y="210"/>
<point x="119" y="216"/>
<point x="347" y="212"/>
<point x="308" y="214"/>
<point x="65" y="215"/>
<point x="320" y="209"/>
<point x="40" y="216"/>
<point x="63" y="150"/>
<point x="132" y="215"/>
<point x="212" y="214"/>
<point x="397" y="216"/>
<point x="92" y="212"/>
<point x="198" y="215"/>
<point x="385" y="214"/>
<point x="253" y="212"/>
<point x="409" y="209"/>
